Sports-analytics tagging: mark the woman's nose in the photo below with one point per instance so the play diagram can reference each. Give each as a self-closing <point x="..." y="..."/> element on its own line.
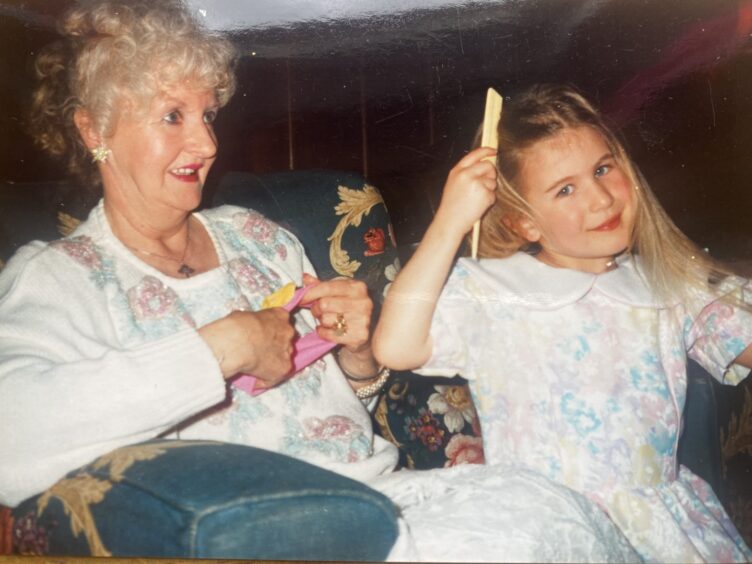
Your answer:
<point x="202" y="142"/>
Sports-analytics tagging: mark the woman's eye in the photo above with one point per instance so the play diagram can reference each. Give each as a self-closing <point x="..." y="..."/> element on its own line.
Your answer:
<point x="602" y="170"/>
<point x="565" y="191"/>
<point x="210" y="116"/>
<point x="172" y="117"/>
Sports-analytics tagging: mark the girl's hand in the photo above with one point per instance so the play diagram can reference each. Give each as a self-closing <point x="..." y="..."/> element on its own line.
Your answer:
<point x="257" y="343"/>
<point x="469" y="191"/>
<point x="343" y="309"/>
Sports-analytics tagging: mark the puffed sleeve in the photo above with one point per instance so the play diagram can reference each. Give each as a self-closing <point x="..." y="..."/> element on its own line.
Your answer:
<point x="721" y="330"/>
<point x="455" y="322"/>
<point x="69" y="391"/>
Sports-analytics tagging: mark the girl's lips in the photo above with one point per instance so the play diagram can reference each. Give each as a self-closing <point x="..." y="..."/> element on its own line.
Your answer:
<point x="609" y="225"/>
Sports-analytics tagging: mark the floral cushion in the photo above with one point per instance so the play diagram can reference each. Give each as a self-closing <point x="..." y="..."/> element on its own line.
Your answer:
<point x="431" y="419"/>
<point x="341" y="220"/>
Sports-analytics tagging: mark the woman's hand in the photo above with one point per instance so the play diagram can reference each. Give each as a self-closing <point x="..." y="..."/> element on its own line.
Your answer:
<point x="257" y="343"/>
<point x="469" y="191"/>
<point x="343" y="309"/>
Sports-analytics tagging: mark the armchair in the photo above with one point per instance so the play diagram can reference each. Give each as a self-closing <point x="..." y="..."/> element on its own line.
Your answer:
<point x="183" y="499"/>
<point x="203" y="499"/>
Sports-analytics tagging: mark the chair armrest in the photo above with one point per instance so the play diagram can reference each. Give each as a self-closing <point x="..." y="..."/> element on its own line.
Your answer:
<point x="700" y="445"/>
<point x="191" y="499"/>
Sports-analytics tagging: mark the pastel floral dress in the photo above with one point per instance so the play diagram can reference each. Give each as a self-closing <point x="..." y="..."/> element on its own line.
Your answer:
<point x="582" y="378"/>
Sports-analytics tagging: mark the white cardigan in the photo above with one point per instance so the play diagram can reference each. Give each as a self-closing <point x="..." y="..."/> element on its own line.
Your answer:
<point x="99" y="350"/>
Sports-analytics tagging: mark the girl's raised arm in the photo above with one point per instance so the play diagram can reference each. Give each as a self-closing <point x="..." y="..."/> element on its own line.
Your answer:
<point x="402" y="337"/>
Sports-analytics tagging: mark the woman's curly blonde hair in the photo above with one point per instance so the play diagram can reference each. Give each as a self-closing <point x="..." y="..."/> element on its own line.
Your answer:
<point x="112" y="50"/>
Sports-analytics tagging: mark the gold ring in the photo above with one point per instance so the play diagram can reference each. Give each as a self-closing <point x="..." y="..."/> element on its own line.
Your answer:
<point x="340" y="326"/>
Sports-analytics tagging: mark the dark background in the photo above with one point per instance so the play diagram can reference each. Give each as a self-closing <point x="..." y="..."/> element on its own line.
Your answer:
<point x="398" y="97"/>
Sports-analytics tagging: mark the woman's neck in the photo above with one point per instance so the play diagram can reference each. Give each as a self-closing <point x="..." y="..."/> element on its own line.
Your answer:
<point x="167" y="235"/>
<point x="179" y="248"/>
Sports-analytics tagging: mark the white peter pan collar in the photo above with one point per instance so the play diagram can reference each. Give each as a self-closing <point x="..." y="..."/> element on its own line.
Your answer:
<point x="525" y="281"/>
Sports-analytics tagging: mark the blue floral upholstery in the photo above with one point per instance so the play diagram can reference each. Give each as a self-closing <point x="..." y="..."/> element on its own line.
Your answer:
<point x="431" y="419"/>
<point x="342" y="221"/>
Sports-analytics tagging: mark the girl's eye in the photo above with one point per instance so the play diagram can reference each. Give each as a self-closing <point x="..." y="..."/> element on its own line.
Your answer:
<point x="210" y="116"/>
<point x="173" y="117"/>
<point x="602" y="170"/>
<point x="565" y="191"/>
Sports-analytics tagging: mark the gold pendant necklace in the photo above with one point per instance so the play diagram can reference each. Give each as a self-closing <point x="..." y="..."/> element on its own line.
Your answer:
<point x="183" y="269"/>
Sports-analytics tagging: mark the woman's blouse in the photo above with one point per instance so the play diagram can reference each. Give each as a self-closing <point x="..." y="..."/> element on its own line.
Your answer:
<point x="100" y="350"/>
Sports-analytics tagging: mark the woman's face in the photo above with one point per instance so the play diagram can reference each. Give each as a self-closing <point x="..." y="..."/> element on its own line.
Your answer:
<point x="159" y="160"/>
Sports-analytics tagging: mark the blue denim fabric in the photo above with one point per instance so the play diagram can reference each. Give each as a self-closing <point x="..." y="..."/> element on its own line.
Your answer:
<point x="211" y="500"/>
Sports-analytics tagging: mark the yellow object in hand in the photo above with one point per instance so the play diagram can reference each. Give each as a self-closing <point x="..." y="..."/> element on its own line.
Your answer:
<point x="279" y="298"/>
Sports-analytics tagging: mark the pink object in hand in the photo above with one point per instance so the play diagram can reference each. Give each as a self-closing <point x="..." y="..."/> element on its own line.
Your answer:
<point x="307" y="349"/>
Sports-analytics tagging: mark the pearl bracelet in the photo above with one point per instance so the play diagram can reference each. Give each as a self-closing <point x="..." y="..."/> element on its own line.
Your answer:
<point x="353" y="378"/>
<point x="373" y="389"/>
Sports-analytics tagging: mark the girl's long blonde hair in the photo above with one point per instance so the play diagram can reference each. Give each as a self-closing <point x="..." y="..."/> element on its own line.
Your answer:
<point x="673" y="265"/>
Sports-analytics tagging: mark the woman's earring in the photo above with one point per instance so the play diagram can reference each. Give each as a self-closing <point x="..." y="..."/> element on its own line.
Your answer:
<point x="100" y="154"/>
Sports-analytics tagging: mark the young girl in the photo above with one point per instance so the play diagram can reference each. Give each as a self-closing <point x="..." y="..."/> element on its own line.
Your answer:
<point x="574" y="326"/>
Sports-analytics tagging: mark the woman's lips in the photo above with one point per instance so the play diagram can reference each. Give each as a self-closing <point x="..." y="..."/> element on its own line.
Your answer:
<point x="187" y="177"/>
<point x="609" y="225"/>
<point x="186" y="174"/>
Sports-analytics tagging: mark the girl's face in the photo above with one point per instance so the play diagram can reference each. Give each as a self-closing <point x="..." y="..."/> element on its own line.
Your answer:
<point x="160" y="160"/>
<point x="583" y="203"/>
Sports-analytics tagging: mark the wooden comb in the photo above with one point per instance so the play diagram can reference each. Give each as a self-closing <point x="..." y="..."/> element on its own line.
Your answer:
<point x="490" y="138"/>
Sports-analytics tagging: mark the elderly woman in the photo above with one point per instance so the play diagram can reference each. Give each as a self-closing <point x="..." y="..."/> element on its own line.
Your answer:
<point x="131" y="327"/>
